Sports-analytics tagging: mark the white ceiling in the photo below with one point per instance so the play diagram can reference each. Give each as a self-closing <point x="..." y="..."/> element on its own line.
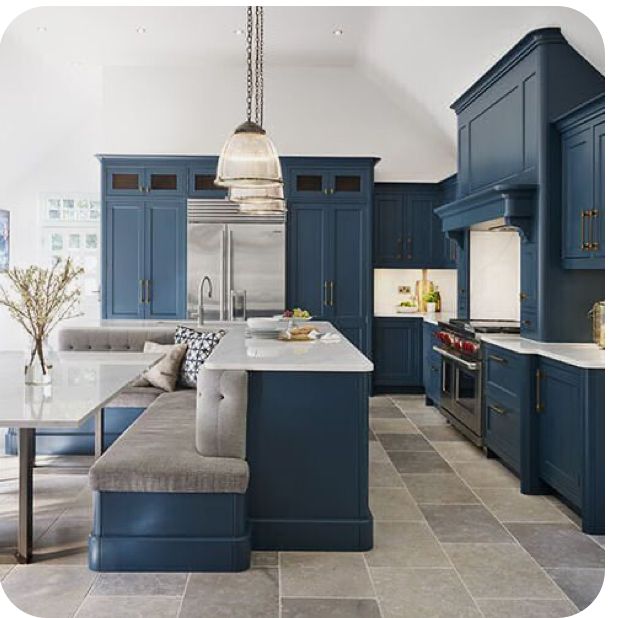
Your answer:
<point x="421" y="58"/>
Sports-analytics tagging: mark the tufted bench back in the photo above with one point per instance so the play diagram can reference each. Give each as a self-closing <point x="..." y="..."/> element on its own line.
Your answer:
<point x="113" y="338"/>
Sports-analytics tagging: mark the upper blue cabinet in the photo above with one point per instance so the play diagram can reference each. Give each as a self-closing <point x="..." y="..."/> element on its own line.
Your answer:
<point x="155" y="181"/>
<point x="583" y="185"/>
<point x="407" y="233"/>
<point x="340" y="183"/>
<point x="202" y="181"/>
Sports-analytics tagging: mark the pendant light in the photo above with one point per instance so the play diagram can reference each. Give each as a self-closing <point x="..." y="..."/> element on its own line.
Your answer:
<point x="249" y="159"/>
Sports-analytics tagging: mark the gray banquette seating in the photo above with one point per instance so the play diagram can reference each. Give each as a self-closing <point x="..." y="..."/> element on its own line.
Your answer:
<point x="169" y="493"/>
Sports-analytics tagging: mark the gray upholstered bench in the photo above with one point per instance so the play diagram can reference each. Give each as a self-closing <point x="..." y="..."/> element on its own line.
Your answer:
<point x="159" y="505"/>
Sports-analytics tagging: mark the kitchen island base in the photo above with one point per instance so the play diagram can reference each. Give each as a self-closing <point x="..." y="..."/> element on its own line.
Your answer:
<point x="308" y="453"/>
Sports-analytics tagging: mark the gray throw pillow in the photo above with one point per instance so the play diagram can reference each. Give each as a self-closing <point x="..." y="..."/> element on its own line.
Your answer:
<point x="200" y="345"/>
<point x="164" y="374"/>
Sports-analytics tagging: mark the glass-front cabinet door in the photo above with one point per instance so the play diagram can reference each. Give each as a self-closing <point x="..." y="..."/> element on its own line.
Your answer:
<point x="201" y="183"/>
<point x="164" y="181"/>
<point x="308" y="183"/>
<point x="125" y="180"/>
<point x="340" y="183"/>
<point x="347" y="183"/>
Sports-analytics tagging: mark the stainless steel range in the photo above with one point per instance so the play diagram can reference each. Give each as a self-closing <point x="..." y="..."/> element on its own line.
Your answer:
<point x="461" y="371"/>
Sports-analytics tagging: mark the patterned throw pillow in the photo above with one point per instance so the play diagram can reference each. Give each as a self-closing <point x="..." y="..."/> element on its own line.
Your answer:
<point x="200" y="346"/>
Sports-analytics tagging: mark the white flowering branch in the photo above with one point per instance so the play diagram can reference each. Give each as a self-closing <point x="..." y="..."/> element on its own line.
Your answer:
<point x="39" y="298"/>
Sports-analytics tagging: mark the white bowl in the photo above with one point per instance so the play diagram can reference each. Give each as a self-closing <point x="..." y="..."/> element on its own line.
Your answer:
<point x="266" y="324"/>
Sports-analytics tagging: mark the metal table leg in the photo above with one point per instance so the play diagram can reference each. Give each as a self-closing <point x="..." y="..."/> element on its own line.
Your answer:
<point x="99" y="434"/>
<point x="26" y="448"/>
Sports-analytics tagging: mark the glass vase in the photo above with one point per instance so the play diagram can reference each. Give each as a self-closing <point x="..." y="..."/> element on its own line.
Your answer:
<point x="38" y="363"/>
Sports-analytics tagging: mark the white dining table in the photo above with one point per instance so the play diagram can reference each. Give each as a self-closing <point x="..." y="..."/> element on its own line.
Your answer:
<point x="82" y="385"/>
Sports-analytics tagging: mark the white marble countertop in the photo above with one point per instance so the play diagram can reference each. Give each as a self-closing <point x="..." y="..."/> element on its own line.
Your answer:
<point x="235" y="351"/>
<point x="82" y="382"/>
<point x="431" y="318"/>
<point x="584" y="355"/>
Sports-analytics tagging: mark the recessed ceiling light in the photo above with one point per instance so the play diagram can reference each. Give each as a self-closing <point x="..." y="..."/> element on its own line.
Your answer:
<point x="239" y="32"/>
<point x="337" y="32"/>
<point x="141" y="30"/>
<point x="42" y="29"/>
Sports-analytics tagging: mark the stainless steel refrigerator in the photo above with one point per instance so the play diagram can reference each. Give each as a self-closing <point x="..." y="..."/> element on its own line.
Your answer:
<point x="243" y="254"/>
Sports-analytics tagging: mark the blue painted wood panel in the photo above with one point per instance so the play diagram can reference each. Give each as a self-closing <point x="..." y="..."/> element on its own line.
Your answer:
<point x="165" y="259"/>
<point x="389" y="232"/>
<point x="306" y="266"/>
<point x="431" y="366"/>
<point x="124" y="259"/>
<point x="397" y="352"/>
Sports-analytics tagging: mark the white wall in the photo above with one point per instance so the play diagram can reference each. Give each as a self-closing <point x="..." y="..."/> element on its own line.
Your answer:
<point x="495" y="275"/>
<point x="387" y="280"/>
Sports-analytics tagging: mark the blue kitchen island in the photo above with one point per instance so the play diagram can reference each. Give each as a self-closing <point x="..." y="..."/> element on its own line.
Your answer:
<point x="307" y="441"/>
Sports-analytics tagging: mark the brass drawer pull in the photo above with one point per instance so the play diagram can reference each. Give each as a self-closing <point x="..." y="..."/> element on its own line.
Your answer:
<point x="539" y="406"/>
<point x="497" y="409"/>
<point x="593" y="242"/>
<point x="399" y="248"/>
<point x="141" y="291"/>
<point x="147" y="283"/>
<point x="498" y="359"/>
<point x="331" y="293"/>
<point x="325" y="293"/>
<point x="585" y="245"/>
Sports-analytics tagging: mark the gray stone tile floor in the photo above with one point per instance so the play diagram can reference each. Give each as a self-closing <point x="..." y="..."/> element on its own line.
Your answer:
<point x="454" y="538"/>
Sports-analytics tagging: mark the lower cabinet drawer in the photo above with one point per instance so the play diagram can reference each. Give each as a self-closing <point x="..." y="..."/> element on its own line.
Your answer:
<point x="502" y="426"/>
<point x="503" y="369"/>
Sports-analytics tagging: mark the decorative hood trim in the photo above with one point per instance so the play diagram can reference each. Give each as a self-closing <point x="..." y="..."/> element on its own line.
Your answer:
<point x="516" y="204"/>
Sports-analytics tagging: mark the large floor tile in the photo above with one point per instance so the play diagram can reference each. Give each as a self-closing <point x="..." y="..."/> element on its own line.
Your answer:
<point x="404" y="442"/>
<point x="392" y="425"/>
<point x="559" y="545"/>
<point x="410" y="406"/>
<point x="380" y="401"/>
<point x="465" y="524"/>
<point x="144" y="584"/>
<point x="521" y="608"/>
<point x="464" y="452"/>
<point x="580" y="585"/>
<point x="325" y="574"/>
<point x="384" y="474"/>
<point x="249" y="594"/>
<point x="377" y="452"/>
<point x="51" y="592"/>
<point x="501" y="571"/>
<point x="388" y="411"/>
<point x="509" y="505"/>
<point x="426" y="417"/>
<point x="405" y="544"/>
<point x="5" y="569"/>
<point x="393" y="504"/>
<point x="444" y="433"/>
<point x="414" y="593"/>
<point x="418" y="462"/>
<point x="487" y="473"/>
<point x="438" y="489"/>
<point x="264" y="559"/>
<point x="129" y="607"/>
<point x="330" y="608"/>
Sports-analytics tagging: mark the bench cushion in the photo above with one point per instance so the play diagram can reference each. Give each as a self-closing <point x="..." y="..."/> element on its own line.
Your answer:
<point x="157" y="454"/>
<point x="135" y="397"/>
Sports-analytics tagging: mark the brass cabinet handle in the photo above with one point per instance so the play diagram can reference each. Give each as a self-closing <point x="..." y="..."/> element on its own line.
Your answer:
<point x="331" y="293"/>
<point x="331" y="191"/>
<point x="523" y="296"/>
<point x="399" y="248"/>
<point x="539" y="406"/>
<point x="497" y="409"/>
<point x="325" y="293"/>
<point x="593" y="241"/>
<point x="147" y="283"/>
<point x="498" y="359"/>
<point x="585" y="214"/>
<point x="409" y="248"/>
<point x="141" y="293"/>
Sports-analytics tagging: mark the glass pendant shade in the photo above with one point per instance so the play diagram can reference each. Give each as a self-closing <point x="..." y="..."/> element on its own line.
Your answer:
<point x="249" y="159"/>
<point x="259" y="199"/>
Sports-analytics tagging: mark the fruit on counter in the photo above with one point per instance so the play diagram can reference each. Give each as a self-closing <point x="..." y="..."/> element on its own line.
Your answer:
<point x="296" y="313"/>
<point x="407" y="303"/>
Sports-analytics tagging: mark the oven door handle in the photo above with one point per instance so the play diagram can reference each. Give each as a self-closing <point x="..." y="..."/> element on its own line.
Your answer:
<point x="456" y="359"/>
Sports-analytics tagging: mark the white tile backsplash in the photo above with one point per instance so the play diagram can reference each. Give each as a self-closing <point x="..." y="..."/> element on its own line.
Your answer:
<point x="494" y="275"/>
<point x="387" y="280"/>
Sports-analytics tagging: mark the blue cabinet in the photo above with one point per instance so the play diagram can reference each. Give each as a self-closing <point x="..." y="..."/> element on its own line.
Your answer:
<point x="201" y="180"/>
<point x="135" y="180"/>
<point x="583" y="185"/>
<point x="431" y="364"/>
<point x="144" y="259"/>
<point x="407" y="233"/>
<point x="329" y="242"/>
<point x="397" y="353"/>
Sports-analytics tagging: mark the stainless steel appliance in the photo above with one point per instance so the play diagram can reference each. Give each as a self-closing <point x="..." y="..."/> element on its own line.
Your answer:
<point x="461" y="372"/>
<point x="243" y="255"/>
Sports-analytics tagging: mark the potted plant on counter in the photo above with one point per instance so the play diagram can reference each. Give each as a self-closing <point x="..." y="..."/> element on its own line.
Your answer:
<point x="430" y="298"/>
<point x="38" y="299"/>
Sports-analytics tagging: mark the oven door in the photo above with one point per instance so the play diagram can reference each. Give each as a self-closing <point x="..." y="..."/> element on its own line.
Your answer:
<point x="461" y="390"/>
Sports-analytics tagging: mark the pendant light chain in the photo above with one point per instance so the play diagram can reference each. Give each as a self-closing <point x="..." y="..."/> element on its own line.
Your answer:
<point x="249" y="61"/>
<point x="259" y="65"/>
